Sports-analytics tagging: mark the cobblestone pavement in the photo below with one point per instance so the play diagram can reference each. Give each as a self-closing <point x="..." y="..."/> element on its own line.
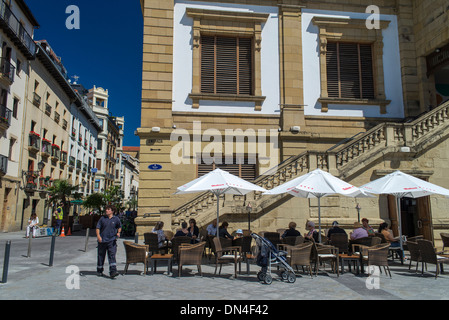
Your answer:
<point x="33" y="278"/>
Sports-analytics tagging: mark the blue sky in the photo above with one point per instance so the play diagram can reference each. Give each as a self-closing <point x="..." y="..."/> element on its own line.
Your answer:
<point x="106" y="51"/>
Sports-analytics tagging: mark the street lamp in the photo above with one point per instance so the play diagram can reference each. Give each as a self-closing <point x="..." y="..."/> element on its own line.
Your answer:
<point x="358" y="207"/>
<point x="249" y="208"/>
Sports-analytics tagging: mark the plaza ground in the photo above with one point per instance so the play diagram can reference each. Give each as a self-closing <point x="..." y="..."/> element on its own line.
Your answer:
<point x="32" y="278"/>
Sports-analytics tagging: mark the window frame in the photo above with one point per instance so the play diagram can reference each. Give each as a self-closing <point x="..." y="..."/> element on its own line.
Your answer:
<point x="233" y="24"/>
<point x="352" y="30"/>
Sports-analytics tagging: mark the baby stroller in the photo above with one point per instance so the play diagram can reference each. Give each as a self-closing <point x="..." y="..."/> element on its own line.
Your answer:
<point x="268" y="256"/>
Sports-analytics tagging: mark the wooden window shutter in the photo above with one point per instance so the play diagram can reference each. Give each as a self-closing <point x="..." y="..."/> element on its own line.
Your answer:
<point x="350" y="71"/>
<point x="243" y="170"/>
<point x="226" y="65"/>
<point x="208" y="64"/>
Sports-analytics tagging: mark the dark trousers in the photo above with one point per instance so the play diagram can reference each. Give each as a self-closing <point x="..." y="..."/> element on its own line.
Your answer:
<point x="58" y="227"/>
<point x="111" y="249"/>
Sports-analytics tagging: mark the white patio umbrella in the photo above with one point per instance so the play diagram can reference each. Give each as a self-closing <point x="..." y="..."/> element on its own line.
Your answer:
<point x="219" y="182"/>
<point x="317" y="184"/>
<point x="400" y="185"/>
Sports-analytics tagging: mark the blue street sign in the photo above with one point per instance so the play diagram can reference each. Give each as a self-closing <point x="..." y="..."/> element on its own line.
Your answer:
<point x="155" y="167"/>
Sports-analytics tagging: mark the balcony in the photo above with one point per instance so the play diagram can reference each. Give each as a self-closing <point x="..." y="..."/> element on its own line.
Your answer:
<point x="57" y="117"/>
<point x="16" y="32"/>
<point x="31" y="177"/>
<point x="34" y="142"/>
<point x="36" y="99"/>
<point x="72" y="161"/>
<point x="46" y="148"/>
<point x="3" y="165"/>
<point x="47" y="109"/>
<point x="55" y="153"/>
<point x="78" y="165"/>
<point x="7" y="71"/>
<point x="64" y="124"/>
<point x="5" y="119"/>
<point x="63" y="158"/>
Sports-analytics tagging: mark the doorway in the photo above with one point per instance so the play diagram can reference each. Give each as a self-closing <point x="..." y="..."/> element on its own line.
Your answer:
<point x="416" y="217"/>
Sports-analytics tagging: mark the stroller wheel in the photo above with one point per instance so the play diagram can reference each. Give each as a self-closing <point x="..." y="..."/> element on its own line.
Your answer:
<point x="268" y="279"/>
<point x="291" y="278"/>
<point x="284" y="275"/>
<point x="261" y="276"/>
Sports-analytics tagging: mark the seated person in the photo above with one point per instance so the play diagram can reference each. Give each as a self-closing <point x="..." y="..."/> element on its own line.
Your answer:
<point x="291" y="231"/>
<point x="358" y="232"/>
<point x="239" y="234"/>
<point x="388" y="234"/>
<point x="223" y="231"/>
<point x="312" y="235"/>
<point x="367" y="227"/>
<point x="184" y="232"/>
<point x="335" y="229"/>
<point x="160" y="233"/>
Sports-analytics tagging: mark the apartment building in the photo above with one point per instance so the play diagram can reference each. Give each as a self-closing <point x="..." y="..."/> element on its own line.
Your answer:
<point x="17" y="25"/>
<point x="317" y="84"/>
<point x="110" y="140"/>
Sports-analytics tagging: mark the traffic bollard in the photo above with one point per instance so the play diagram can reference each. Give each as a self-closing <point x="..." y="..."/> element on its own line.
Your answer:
<point x="136" y="237"/>
<point x="29" y="247"/>
<point x="6" y="261"/>
<point x="87" y="239"/>
<point x="52" y="251"/>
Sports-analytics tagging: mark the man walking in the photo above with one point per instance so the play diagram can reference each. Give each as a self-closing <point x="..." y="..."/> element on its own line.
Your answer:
<point x="108" y="230"/>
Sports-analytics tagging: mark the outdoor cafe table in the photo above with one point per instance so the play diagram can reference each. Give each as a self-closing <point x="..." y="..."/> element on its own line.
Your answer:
<point x="161" y="257"/>
<point x="355" y="257"/>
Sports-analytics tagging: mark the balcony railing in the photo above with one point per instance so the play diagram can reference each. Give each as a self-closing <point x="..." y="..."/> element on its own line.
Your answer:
<point x="36" y="99"/>
<point x="72" y="161"/>
<point x="5" y="116"/>
<point x="31" y="177"/>
<point x="55" y="152"/>
<point x="57" y="117"/>
<point x="3" y="164"/>
<point x="46" y="148"/>
<point x="15" y="30"/>
<point x="78" y="164"/>
<point x="63" y="158"/>
<point x="7" y="70"/>
<point x="47" y="109"/>
<point x="34" y="142"/>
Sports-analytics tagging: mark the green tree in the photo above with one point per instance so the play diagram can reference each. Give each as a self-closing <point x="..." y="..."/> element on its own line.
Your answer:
<point x="61" y="191"/>
<point x="95" y="201"/>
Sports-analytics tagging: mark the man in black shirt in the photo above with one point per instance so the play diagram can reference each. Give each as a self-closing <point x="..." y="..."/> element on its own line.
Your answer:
<point x="335" y="229"/>
<point x="108" y="230"/>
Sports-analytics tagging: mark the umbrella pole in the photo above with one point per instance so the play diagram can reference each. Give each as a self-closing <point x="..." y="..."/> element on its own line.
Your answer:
<point x="319" y="219"/>
<point x="398" y="203"/>
<point x="218" y="215"/>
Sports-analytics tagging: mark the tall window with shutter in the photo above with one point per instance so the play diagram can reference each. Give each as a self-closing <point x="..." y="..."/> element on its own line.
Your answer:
<point x="350" y="70"/>
<point x="226" y="65"/>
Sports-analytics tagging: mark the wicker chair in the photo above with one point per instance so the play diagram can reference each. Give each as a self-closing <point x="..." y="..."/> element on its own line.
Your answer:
<point x="326" y="253"/>
<point x="378" y="256"/>
<point x="341" y="241"/>
<point x="415" y="255"/>
<point x="428" y="255"/>
<point x="221" y="257"/>
<point x="273" y="237"/>
<point x="293" y="241"/>
<point x="136" y="253"/>
<point x="299" y="255"/>
<point x="175" y="242"/>
<point x="445" y="239"/>
<point x="190" y="254"/>
<point x="151" y="240"/>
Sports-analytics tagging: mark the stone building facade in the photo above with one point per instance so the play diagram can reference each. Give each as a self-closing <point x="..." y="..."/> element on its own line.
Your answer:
<point x="325" y="89"/>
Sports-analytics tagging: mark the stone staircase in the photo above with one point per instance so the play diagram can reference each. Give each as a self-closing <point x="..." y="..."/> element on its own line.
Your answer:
<point x="344" y="162"/>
